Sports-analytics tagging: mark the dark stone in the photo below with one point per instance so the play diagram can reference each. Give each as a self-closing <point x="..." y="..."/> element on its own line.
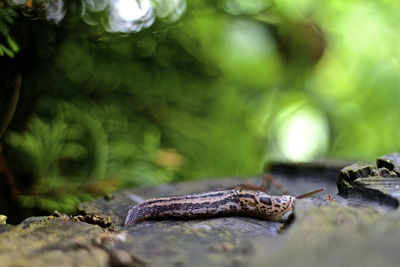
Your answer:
<point x="390" y="161"/>
<point x="386" y="185"/>
<point x="354" y="171"/>
<point x="332" y="234"/>
<point x="367" y="232"/>
<point x="381" y="185"/>
<point x="320" y="168"/>
<point x="50" y="241"/>
<point x="359" y="190"/>
<point x="383" y="172"/>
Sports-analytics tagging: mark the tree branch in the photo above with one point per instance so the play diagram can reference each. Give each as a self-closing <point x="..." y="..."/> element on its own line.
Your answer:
<point x="13" y="105"/>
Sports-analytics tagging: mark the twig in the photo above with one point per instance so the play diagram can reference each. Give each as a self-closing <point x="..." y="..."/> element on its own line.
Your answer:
<point x="270" y="179"/>
<point x="6" y="177"/>
<point x="247" y="186"/>
<point x="7" y="180"/>
<point x="309" y="194"/>
<point x="13" y="105"/>
<point x="266" y="184"/>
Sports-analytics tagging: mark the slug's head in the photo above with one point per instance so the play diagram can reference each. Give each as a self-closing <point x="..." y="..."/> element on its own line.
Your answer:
<point x="286" y="209"/>
<point x="276" y="208"/>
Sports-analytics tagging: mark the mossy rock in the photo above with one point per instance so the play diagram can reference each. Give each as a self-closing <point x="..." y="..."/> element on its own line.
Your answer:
<point x="44" y="241"/>
<point x="390" y="161"/>
<point x="326" y="230"/>
<point x="380" y="184"/>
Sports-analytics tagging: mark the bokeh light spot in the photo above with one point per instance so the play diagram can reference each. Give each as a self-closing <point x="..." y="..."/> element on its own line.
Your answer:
<point x="303" y="135"/>
<point x="130" y="15"/>
<point x="170" y="10"/>
<point x="132" y="10"/>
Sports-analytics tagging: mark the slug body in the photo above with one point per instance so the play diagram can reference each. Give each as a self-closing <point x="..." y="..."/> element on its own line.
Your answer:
<point x="214" y="204"/>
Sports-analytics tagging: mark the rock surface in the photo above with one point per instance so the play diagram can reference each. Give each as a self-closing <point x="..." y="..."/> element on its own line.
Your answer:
<point x="390" y="161"/>
<point x="327" y="229"/>
<point x="47" y="241"/>
<point x="379" y="184"/>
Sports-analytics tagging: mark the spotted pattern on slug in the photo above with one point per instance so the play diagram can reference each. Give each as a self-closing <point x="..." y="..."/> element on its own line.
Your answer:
<point x="213" y="204"/>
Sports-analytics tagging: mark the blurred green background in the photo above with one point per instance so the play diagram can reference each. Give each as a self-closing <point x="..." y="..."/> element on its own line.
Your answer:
<point x="124" y="93"/>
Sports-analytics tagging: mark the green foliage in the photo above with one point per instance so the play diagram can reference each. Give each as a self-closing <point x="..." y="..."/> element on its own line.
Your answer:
<point x="71" y="154"/>
<point x="7" y="16"/>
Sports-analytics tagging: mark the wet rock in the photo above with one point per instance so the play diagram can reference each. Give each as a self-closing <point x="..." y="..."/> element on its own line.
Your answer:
<point x="390" y="161"/>
<point x="379" y="184"/>
<point x="205" y="242"/>
<point x="386" y="185"/>
<point x="321" y="168"/>
<point x="104" y="222"/>
<point x="44" y="241"/>
<point x="369" y="192"/>
<point x="354" y="171"/>
<point x="383" y="172"/>
<point x="326" y="230"/>
<point x="332" y="234"/>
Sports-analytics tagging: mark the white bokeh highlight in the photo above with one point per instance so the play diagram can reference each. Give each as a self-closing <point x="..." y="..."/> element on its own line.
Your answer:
<point x="130" y="15"/>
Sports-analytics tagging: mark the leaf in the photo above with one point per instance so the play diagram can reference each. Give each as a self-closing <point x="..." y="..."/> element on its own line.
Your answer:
<point x="6" y="50"/>
<point x="13" y="45"/>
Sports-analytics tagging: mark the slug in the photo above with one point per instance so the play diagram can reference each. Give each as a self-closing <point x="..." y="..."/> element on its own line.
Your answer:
<point x="216" y="204"/>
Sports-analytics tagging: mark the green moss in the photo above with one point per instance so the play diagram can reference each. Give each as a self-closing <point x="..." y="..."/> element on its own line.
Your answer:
<point x="3" y="219"/>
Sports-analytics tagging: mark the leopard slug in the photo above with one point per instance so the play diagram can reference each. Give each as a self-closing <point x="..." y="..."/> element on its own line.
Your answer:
<point x="215" y="204"/>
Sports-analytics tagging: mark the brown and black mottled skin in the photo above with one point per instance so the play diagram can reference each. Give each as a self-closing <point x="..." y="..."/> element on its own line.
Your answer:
<point x="213" y="204"/>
